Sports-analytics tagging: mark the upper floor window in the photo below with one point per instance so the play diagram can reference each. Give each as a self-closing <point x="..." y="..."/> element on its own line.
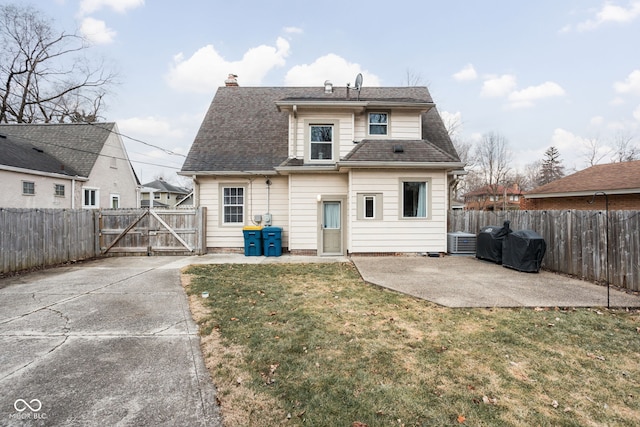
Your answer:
<point x="28" y="188"/>
<point x="115" y="201"/>
<point x="321" y="142"/>
<point x="59" y="190"/>
<point x="378" y="123"/>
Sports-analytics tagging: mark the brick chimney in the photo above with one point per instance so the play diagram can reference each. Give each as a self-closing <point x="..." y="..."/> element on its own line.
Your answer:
<point x="232" y="80"/>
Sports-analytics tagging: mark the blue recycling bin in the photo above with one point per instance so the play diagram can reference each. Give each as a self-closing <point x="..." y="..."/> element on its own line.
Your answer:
<point x="272" y="241"/>
<point x="252" y="240"/>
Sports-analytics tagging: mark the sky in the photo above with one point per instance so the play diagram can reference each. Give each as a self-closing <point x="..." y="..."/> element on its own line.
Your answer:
<point x="561" y="73"/>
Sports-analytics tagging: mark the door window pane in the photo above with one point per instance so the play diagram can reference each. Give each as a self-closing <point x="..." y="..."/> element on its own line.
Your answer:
<point x="332" y="215"/>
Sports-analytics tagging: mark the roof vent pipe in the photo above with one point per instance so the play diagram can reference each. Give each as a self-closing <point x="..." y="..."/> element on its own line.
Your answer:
<point x="328" y="86"/>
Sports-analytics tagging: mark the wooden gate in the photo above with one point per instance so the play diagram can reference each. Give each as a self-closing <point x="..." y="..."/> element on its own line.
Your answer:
<point x="152" y="231"/>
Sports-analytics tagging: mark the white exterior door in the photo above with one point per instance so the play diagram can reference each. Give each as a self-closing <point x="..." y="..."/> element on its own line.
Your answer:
<point x="331" y="228"/>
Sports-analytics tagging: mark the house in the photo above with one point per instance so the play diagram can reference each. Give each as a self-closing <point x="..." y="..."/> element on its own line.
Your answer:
<point x="620" y="182"/>
<point x="493" y="198"/>
<point x="65" y="165"/>
<point x="164" y="195"/>
<point x="364" y="170"/>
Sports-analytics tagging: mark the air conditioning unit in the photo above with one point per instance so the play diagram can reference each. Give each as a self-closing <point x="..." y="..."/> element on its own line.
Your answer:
<point x="461" y="243"/>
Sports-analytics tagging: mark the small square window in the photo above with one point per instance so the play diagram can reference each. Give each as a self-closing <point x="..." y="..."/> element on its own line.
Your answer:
<point x="59" y="190"/>
<point x="28" y="188"/>
<point x="378" y="123"/>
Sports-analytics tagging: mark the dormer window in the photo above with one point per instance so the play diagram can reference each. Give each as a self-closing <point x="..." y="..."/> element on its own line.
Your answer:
<point x="321" y="142"/>
<point x="378" y="123"/>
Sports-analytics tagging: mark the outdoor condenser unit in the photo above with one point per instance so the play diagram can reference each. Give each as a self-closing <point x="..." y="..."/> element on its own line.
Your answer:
<point x="461" y="243"/>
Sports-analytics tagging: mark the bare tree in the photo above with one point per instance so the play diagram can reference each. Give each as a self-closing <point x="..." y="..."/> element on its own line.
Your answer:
<point x="493" y="159"/>
<point x="413" y="79"/>
<point x="43" y="76"/>
<point x="625" y="150"/>
<point x="594" y="151"/>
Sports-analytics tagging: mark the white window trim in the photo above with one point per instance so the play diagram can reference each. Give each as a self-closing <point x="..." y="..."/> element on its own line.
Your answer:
<point x="97" y="198"/>
<point x="335" y="143"/>
<point x="377" y="206"/>
<point x="368" y="124"/>
<point x="427" y="182"/>
<point x="34" y="188"/>
<point x="113" y="197"/>
<point x="222" y="204"/>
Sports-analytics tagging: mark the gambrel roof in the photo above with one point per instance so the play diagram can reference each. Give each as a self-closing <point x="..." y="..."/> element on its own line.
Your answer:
<point x="245" y="130"/>
<point x="75" y="145"/>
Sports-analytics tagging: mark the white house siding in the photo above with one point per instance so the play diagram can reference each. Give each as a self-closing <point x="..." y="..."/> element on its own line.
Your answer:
<point x="112" y="174"/>
<point x="304" y="189"/>
<point x="402" y="125"/>
<point x="298" y="142"/>
<point x="392" y="233"/>
<point x="231" y="236"/>
<point x="11" y="195"/>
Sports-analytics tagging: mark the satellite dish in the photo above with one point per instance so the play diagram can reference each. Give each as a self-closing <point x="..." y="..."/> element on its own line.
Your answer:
<point x="358" y="82"/>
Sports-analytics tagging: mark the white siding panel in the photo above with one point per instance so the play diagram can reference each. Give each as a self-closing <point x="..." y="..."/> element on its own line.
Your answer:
<point x="392" y="233"/>
<point x="258" y="202"/>
<point x="304" y="190"/>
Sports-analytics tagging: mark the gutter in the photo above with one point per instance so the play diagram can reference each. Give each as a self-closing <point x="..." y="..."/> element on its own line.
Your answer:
<point x="47" y="174"/>
<point x="453" y="166"/>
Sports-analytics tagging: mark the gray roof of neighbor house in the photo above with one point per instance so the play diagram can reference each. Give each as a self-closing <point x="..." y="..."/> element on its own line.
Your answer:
<point x="613" y="178"/>
<point x="244" y="130"/>
<point x="164" y="186"/>
<point x="76" y="145"/>
<point x="19" y="154"/>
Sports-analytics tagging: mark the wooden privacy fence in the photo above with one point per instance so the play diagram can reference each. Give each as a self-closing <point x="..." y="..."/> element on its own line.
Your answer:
<point x="31" y="238"/>
<point x="578" y="242"/>
<point x="35" y="238"/>
<point x="152" y="232"/>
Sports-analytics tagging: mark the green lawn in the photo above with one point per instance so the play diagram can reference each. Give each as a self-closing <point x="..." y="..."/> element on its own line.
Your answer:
<point x="312" y="344"/>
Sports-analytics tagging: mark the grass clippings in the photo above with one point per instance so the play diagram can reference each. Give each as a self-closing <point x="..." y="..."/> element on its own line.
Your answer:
<point x="313" y="344"/>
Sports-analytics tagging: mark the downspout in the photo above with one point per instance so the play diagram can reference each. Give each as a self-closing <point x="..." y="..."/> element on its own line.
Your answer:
<point x="73" y="193"/>
<point x="196" y="191"/>
<point x="295" y="131"/>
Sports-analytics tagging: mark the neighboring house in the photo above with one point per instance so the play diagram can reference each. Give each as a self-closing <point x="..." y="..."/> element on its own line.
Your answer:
<point x="164" y="194"/>
<point x="69" y="166"/>
<point x="620" y="182"/>
<point x="488" y="198"/>
<point x="341" y="171"/>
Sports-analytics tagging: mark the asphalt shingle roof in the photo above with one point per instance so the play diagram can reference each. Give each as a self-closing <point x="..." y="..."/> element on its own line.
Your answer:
<point x="607" y="177"/>
<point x="166" y="187"/>
<point x="244" y="131"/>
<point x="27" y="156"/>
<point x="76" y="145"/>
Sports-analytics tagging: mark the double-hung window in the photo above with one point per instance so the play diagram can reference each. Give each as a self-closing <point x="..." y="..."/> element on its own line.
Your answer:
<point x="414" y="199"/>
<point x="233" y="205"/>
<point x="321" y="140"/>
<point x="378" y="124"/>
<point x="28" y="188"/>
<point x="58" y="190"/>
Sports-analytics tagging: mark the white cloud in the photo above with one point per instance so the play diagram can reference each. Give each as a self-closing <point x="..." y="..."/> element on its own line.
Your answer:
<point x="120" y="6"/>
<point x="596" y="121"/>
<point x="96" y="31"/>
<point x="611" y="13"/>
<point x="329" y="67"/>
<point x="467" y="73"/>
<point x="526" y="96"/>
<point x="630" y="85"/>
<point x="498" y="86"/>
<point x="636" y="113"/>
<point x="206" y="69"/>
<point x="149" y="127"/>
<point x="293" y="30"/>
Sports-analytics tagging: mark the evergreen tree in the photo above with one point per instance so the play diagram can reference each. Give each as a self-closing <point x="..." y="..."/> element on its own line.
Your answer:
<point x="551" y="167"/>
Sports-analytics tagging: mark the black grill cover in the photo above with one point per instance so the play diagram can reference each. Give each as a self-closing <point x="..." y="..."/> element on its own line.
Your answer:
<point x="489" y="242"/>
<point x="523" y="250"/>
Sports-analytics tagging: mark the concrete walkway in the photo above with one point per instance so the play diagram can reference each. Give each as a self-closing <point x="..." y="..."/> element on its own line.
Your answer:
<point x="112" y="341"/>
<point x="464" y="281"/>
<point x="107" y="342"/>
